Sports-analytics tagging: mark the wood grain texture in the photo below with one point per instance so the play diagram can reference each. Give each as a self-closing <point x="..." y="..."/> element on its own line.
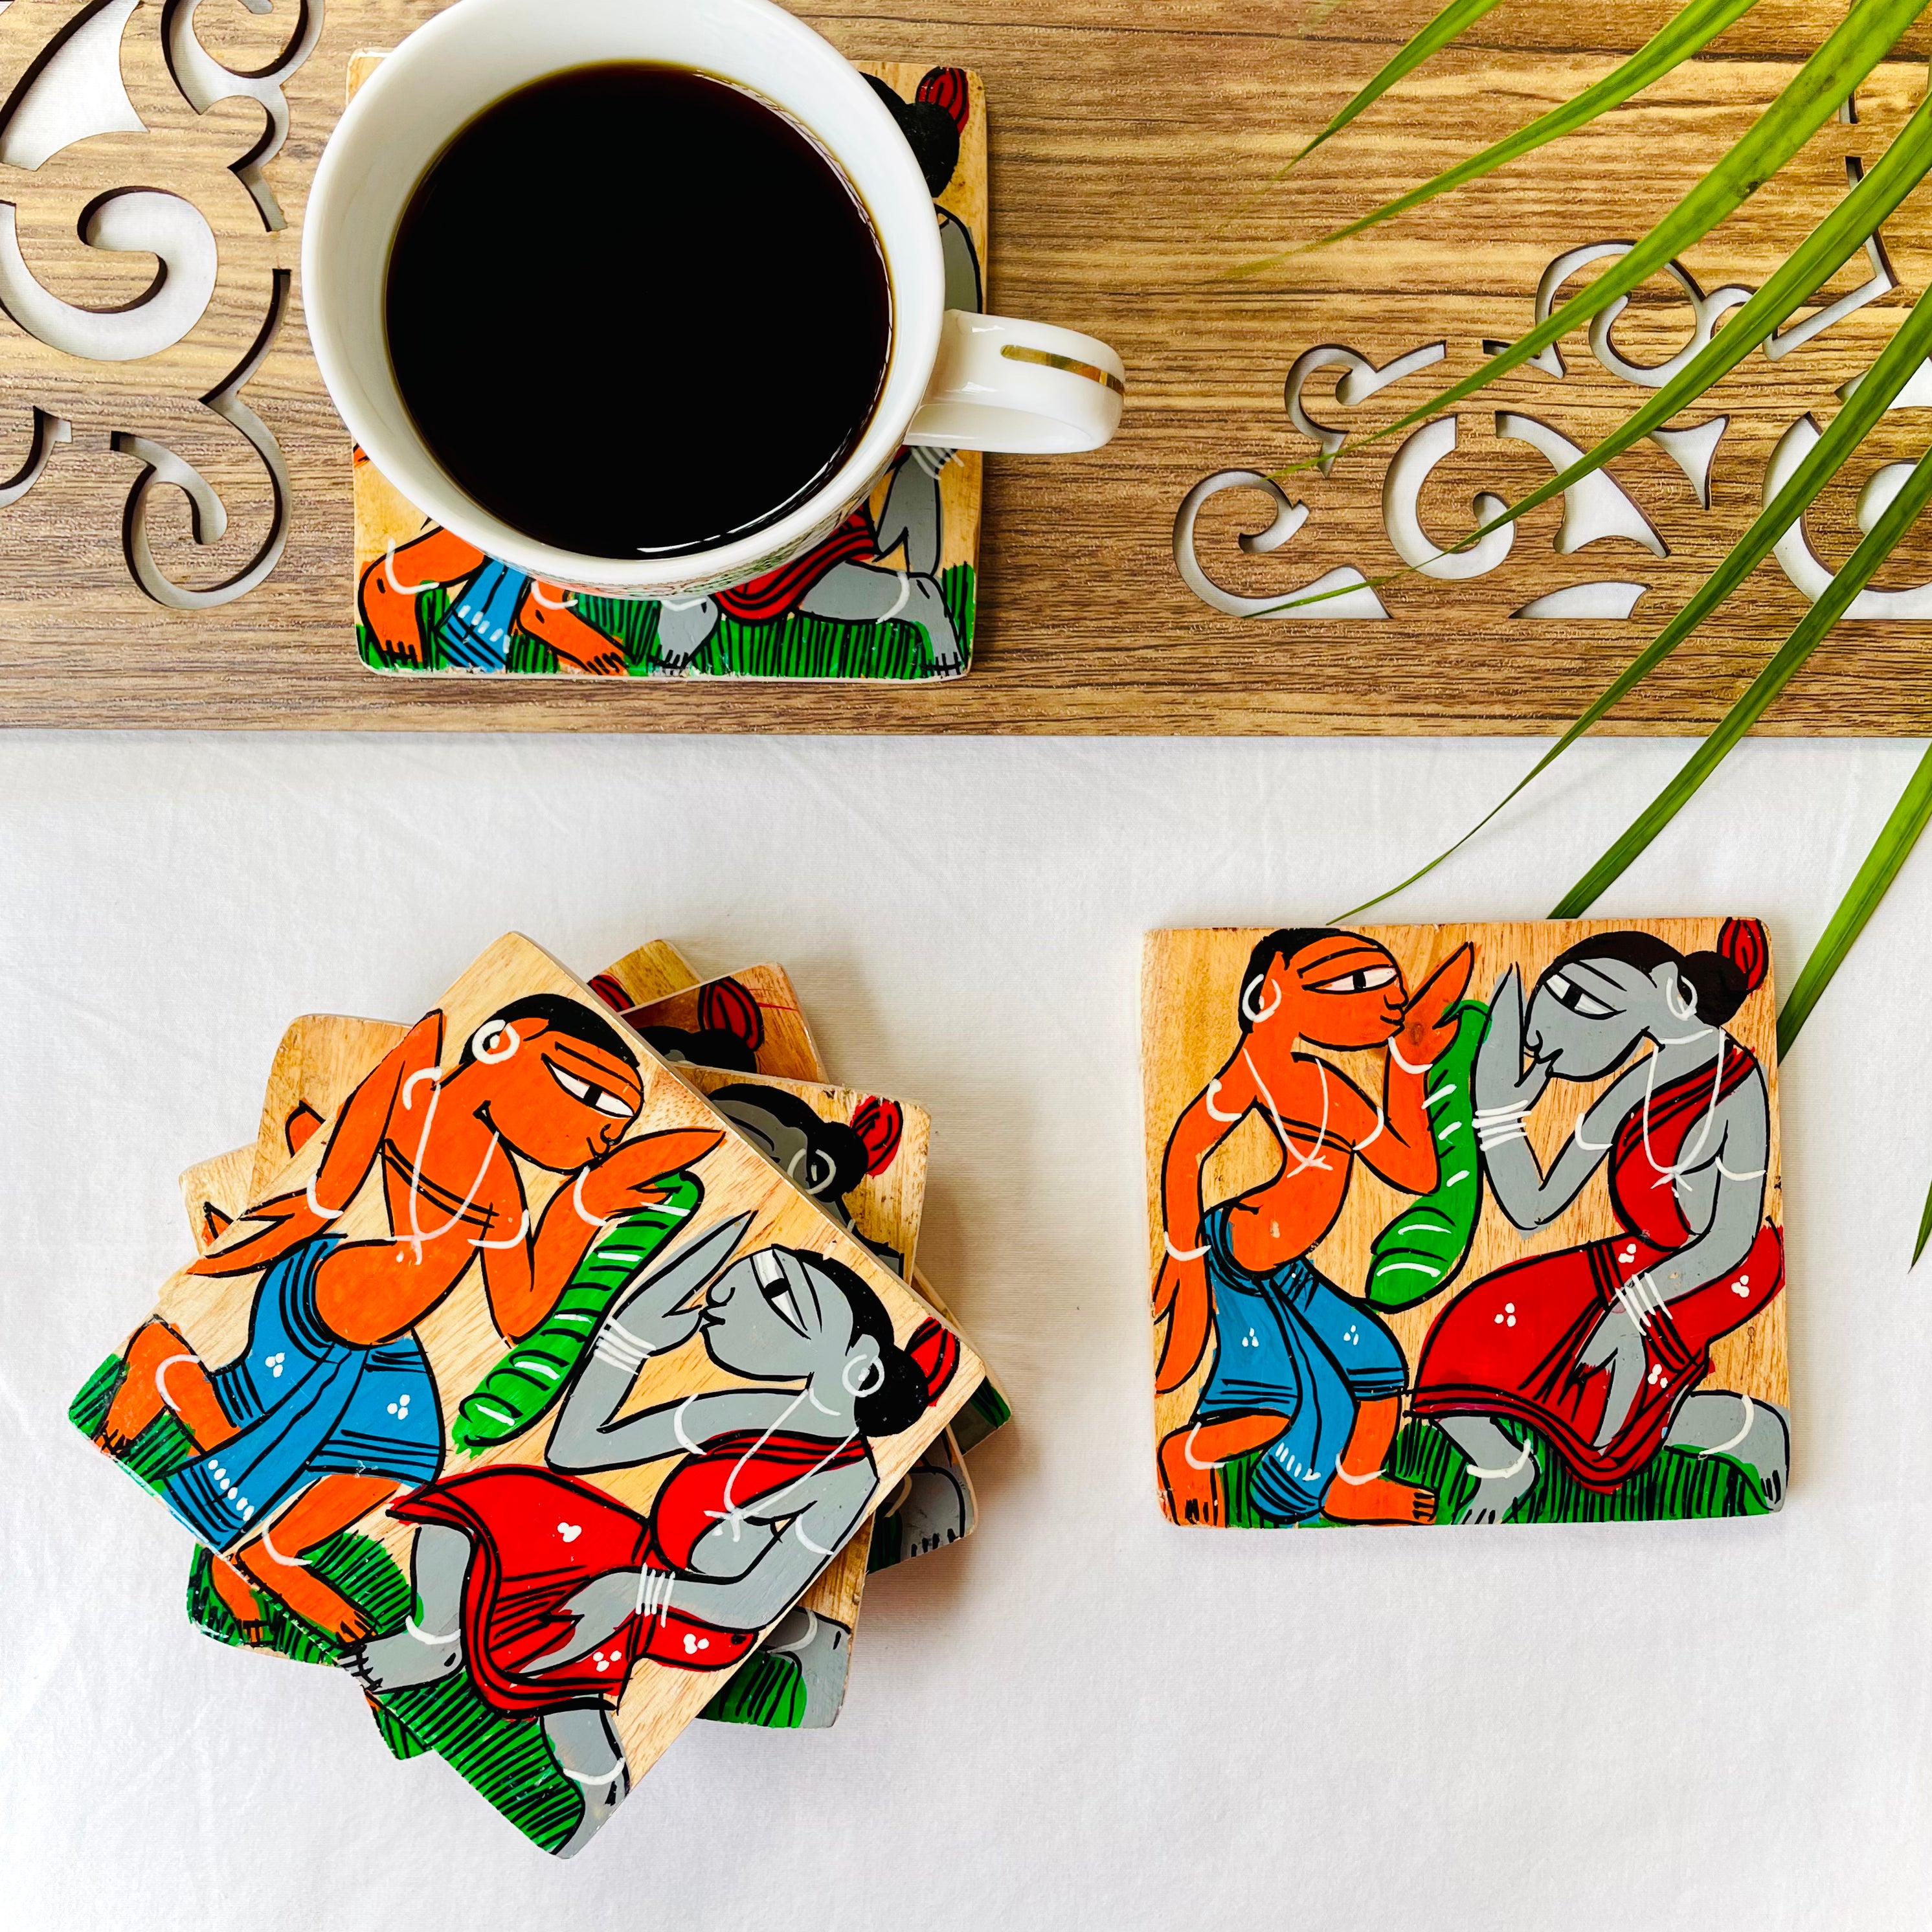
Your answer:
<point x="1190" y="984"/>
<point x="221" y="1184"/>
<point x="321" y="1058"/>
<point x="654" y="971"/>
<point x="784" y="1047"/>
<point x="462" y="1343"/>
<point x="1120" y="139"/>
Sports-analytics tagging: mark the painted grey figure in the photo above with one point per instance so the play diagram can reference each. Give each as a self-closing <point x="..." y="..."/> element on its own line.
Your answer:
<point x="935" y="1506"/>
<point x="821" y="1648"/>
<point x="846" y="588"/>
<point x="827" y="1158"/>
<point x="1600" y="1349"/>
<point x="770" y="1482"/>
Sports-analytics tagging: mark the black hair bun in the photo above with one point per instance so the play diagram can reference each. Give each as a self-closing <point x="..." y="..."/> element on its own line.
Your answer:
<point x="900" y="1399"/>
<point x="1716" y="984"/>
<point x="930" y="132"/>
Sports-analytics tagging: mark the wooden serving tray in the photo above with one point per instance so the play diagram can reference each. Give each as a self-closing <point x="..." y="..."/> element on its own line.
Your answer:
<point x="1123" y="146"/>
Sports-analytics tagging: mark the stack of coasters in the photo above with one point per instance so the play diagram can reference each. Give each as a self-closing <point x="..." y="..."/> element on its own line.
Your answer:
<point x="559" y="1366"/>
<point x="1466" y="1224"/>
<point x="889" y="595"/>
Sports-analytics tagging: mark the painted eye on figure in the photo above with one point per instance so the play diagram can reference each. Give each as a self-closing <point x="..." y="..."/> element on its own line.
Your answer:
<point x="590" y="1095"/>
<point x="1568" y="993"/>
<point x="776" y="1289"/>
<point x="1365" y="979"/>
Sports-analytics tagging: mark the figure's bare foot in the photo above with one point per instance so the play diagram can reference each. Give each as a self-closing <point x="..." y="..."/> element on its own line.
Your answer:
<point x="298" y="1586"/>
<point x="821" y="1648"/>
<point x="137" y="1396"/>
<point x="1377" y="1499"/>
<point x="400" y="1662"/>
<point x="588" y="1754"/>
<point x="1193" y="1494"/>
<point x="936" y="1510"/>
<point x="1736" y="1428"/>
<point x="1499" y="1488"/>
<point x="238" y="1597"/>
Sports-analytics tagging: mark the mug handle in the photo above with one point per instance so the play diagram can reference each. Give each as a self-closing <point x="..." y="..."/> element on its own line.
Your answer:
<point x="1025" y="387"/>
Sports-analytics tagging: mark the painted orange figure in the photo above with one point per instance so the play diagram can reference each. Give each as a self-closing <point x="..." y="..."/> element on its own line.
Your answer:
<point x="331" y="1409"/>
<point x="1301" y="1369"/>
<point x="490" y="601"/>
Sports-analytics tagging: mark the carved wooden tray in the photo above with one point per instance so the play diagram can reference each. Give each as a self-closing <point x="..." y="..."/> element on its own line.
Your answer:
<point x="1120" y="150"/>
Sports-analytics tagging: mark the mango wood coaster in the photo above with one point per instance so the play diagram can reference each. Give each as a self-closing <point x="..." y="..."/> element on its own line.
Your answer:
<point x="176" y="533"/>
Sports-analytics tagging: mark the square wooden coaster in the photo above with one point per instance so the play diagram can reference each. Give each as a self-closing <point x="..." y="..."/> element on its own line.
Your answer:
<point x="890" y="596"/>
<point x="799" y="1678"/>
<point x="1465" y="1223"/>
<point x="223" y="1448"/>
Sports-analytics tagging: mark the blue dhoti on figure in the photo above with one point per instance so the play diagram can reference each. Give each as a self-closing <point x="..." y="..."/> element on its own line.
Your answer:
<point x="307" y="1403"/>
<point x="1291" y="1343"/>
<point x="476" y="631"/>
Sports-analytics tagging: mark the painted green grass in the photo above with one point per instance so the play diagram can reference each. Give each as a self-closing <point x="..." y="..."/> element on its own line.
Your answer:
<point x="507" y="1762"/>
<point x="164" y="1445"/>
<point x="768" y="1691"/>
<point x="359" y="1566"/>
<point x="794" y="646"/>
<point x="1675" y="1485"/>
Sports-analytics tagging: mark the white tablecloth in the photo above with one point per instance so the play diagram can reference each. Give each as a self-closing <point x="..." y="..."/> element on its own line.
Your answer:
<point x="1081" y="1718"/>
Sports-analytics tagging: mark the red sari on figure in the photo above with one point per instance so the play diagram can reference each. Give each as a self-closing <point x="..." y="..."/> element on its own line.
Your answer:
<point x="537" y="1538"/>
<point x="1512" y="1344"/>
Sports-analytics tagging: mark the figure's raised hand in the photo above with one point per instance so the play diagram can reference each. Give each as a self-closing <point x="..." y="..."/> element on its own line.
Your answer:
<point x="628" y="1176"/>
<point x="267" y="1231"/>
<point x="1500" y="1081"/>
<point x="659" y="1309"/>
<point x="1181" y="1293"/>
<point x="1426" y="1029"/>
<point x="598" y="1611"/>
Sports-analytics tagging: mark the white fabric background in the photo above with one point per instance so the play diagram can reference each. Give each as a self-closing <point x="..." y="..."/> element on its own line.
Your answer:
<point x="1082" y="1718"/>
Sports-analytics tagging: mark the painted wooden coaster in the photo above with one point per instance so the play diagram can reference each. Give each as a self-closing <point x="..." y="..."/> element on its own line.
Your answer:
<point x="799" y="1674"/>
<point x="889" y="594"/>
<point x="1465" y="1224"/>
<point x="346" y="1344"/>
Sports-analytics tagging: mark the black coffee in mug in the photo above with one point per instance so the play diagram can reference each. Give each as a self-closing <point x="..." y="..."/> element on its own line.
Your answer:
<point x="634" y="311"/>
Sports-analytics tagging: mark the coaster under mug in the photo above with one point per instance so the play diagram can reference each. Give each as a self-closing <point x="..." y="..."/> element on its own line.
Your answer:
<point x="888" y="596"/>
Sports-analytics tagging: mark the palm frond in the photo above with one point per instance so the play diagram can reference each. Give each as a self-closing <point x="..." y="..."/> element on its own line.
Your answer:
<point x="1877" y="544"/>
<point x="1454" y="18"/>
<point x="1795" y="283"/>
<point x="1693" y="30"/>
<point x="1814" y="94"/>
<point x="1890" y="851"/>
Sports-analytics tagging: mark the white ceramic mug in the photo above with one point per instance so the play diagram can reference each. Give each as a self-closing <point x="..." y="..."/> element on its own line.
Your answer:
<point x="952" y="380"/>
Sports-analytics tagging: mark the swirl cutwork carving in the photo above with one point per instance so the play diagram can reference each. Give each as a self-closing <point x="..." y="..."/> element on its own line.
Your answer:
<point x="145" y="276"/>
<point x="1425" y="514"/>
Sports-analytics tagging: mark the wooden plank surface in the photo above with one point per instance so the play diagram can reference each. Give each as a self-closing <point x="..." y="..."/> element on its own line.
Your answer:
<point x="1122" y="140"/>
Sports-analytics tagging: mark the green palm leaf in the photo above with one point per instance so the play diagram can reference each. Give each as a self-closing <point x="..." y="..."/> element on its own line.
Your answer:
<point x="1870" y="31"/>
<point x="1692" y="31"/>
<point x="1878" y="544"/>
<point x="1454" y="18"/>
<point x="1814" y="94"/>
<point x="1837" y="238"/>
<point x="1889" y="851"/>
